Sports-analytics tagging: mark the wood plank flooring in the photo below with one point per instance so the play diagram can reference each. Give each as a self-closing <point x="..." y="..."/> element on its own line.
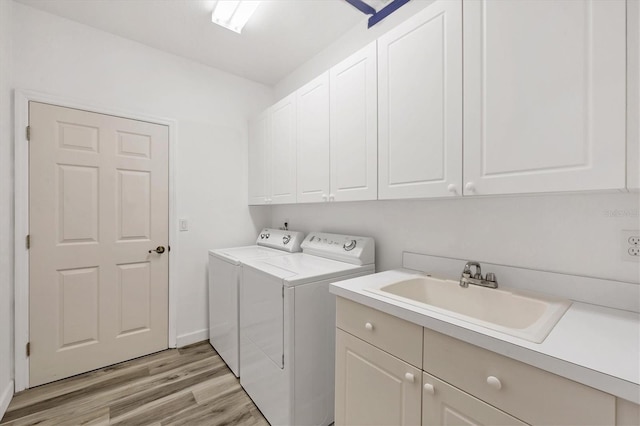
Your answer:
<point x="187" y="386"/>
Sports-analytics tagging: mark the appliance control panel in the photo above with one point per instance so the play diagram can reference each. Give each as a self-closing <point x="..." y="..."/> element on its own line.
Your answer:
<point x="344" y="248"/>
<point x="280" y="239"/>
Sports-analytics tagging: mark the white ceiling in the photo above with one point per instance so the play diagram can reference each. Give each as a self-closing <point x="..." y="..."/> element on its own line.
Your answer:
<point x="282" y="35"/>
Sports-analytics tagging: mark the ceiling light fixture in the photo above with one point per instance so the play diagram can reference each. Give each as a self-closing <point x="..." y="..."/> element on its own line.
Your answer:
<point x="234" y="14"/>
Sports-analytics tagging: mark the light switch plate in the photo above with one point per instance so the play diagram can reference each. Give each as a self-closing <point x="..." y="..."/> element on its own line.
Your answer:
<point x="184" y="225"/>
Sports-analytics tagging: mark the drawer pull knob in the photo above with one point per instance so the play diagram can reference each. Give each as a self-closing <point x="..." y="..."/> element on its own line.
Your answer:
<point x="428" y="388"/>
<point x="410" y="378"/>
<point x="494" y="382"/>
<point x="368" y="326"/>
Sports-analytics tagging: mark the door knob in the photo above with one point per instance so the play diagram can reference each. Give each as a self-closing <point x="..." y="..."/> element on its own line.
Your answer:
<point x="159" y="250"/>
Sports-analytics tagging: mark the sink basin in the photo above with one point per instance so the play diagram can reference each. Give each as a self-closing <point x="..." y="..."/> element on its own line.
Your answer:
<point x="521" y="314"/>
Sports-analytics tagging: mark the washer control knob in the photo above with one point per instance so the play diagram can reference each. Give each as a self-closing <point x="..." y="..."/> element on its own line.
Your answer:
<point x="286" y="239"/>
<point x="350" y="245"/>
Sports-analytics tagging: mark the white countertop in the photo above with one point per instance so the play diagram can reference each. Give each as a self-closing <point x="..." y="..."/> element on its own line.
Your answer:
<point x="592" y="345"/>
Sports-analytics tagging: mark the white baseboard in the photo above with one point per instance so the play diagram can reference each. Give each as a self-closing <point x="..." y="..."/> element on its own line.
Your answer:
<point x="5" y="398"/>
<point x="193" y="337"/>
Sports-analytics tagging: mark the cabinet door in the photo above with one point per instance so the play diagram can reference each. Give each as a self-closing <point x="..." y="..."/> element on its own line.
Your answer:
<point x="444" y="405"/>
<point x="544" y="96"/>
<point x="283" y="151"/>
<point x="373" y="387"/>
<point x="259" y="176"/>
<point x="420" y="105"/>
<point x="354" y="131"/>
<point x="313" y="141"/>
<point x="633" y="99"/>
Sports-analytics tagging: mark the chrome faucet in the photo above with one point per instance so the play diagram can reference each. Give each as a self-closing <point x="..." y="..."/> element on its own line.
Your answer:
<point x="477" y="279"/>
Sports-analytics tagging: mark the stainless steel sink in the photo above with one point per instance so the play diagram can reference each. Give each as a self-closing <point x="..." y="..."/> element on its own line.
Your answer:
<point x="521" y="314"/>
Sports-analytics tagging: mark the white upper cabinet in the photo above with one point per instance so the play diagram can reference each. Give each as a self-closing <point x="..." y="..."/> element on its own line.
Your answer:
<point x="354" y="141"/>
<point x="544" y="96"/>
<point x="259" y="163"/>
<point x="283" y="151"/>
<point x="633" y="97"/>
<point x="313" y="141"/>
<point x="420" y="105"/>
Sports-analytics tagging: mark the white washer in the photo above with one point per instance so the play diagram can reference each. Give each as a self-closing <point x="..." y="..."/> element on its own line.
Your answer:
<point x="287" y="326"/>
<point x="224" y="284"/>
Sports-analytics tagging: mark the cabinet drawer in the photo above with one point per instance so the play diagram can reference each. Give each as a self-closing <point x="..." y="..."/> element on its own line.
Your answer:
<point x="528" y="393"/>
<point x="400" y="338"/>
<point x="443" y="404"/>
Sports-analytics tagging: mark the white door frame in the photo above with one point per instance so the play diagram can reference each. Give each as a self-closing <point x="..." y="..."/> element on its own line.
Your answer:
<point x="21" y="214"/>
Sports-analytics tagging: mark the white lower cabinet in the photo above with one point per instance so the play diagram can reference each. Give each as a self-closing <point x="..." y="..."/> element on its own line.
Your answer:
<point x="373" y="387"/>
<point x="445" y="405"/>
<point x="458" y="383"/>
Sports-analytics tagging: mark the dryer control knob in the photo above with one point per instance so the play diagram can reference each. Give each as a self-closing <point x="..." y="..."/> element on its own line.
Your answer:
<point x="350" y="245"/>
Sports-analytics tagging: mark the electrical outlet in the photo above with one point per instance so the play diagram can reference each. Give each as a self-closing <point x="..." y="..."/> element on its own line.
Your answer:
<point x="630" y="245"/>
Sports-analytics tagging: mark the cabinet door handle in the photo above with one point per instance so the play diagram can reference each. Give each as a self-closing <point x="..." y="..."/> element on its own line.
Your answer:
<point x="470" y="186"/>
<point x="428" y="388"/>
<point x="324" y="197"/>
<point x="332" y="197"/>
<point x="494" y="382"/>
<point x="451" y="188"/>
<point x="409" y="377"/>
<point x="368" y="326"/>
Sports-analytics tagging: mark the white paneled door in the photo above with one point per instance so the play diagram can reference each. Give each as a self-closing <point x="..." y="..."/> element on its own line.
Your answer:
<point x="98" y="200"/>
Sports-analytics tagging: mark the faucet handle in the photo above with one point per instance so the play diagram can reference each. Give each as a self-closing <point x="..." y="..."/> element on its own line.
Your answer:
<point x="491" y="277"/>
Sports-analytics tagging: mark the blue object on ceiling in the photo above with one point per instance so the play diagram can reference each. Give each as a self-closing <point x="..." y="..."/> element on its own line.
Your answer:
<point x="379" y="15"/>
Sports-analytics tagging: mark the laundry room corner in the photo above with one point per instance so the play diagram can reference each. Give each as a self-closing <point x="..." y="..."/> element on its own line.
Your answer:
<point x="58" y="57"/>
<point x="6" y="209"/>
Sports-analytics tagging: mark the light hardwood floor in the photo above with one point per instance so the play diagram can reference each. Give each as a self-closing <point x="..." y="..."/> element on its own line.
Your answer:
<point x="187" y="386"/>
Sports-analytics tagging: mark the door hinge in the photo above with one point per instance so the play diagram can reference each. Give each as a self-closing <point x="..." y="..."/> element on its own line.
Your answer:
<point x="283" y="292"/>
<point x="282" y="360"/>
<point x="28" y="348"/>
<point x="28" y="133"/>
<point x="28" y="242"/>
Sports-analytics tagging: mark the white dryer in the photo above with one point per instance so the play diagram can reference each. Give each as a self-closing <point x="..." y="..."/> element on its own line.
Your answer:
<point x="287" y="326"/>
<point x="224" y="285"/>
